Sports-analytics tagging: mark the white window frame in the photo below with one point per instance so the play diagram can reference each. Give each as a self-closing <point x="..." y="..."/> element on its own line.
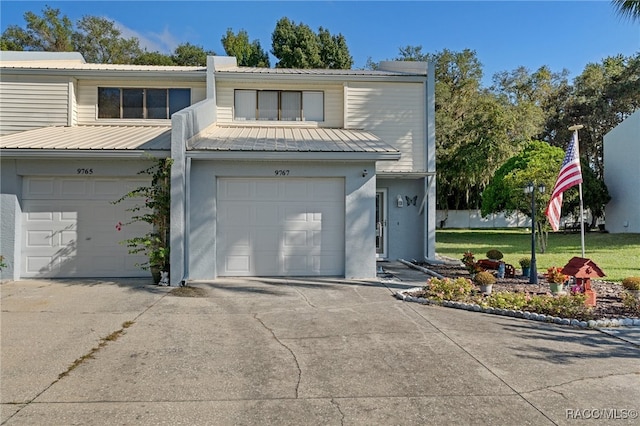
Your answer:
<point x="247" y="100"/>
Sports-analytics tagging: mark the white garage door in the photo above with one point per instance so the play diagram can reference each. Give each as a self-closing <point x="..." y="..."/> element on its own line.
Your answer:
<point x="69" y="228"/>
<point x="280" y="227"/>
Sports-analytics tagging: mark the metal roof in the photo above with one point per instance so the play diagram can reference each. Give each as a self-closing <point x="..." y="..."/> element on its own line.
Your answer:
<point x="93" y="138"/>
<point x="79" y="66"/>
<point x="288" y="139"/>
<point x="311" y="71"/>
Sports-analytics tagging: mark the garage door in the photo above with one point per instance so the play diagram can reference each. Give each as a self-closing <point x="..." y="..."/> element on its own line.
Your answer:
<point x="69" y="228"/>
<point x="280" y="227"/>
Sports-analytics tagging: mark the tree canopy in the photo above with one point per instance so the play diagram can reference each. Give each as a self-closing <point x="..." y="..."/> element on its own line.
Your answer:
<point x="248" y="54"/>
<point x="297" y="46"/>
<point x="540" y="163"/>
<point x="628" y="8"/>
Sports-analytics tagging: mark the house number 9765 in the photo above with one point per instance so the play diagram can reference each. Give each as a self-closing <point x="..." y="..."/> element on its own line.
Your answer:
<point x="281" y="172"/>
<point x="84" y="171"/>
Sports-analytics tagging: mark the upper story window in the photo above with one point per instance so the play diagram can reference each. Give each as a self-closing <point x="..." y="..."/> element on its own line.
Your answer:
<point x="115" y="102"/>
<point x="278" y="105"/>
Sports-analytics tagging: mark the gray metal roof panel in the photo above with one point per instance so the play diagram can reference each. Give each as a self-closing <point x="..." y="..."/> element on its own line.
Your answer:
<point x="91" y="138"/>
<point x="288" y="139"/>
<point x="304" y="71"/>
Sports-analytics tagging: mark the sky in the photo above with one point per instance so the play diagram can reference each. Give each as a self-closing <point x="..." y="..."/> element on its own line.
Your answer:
<point x="504" y="34"/>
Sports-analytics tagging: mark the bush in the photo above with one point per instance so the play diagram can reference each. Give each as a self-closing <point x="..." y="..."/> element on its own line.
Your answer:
<point x="484" y="278"/>
<point x="567" y="306"/>
<point x="631" y="283"/>
<point x="448" y="289"/>
<point x="505" y="300"/>
<point x="525" y="262"/>
<point x="494" y="254"/>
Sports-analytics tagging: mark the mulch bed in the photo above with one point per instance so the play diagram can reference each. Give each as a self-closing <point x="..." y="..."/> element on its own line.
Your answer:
<point x="608" y="294"/>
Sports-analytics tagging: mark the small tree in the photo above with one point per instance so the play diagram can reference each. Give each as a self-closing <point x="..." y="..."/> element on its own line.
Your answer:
<point x="155" y="210"/>
<point x="539" y="163"/>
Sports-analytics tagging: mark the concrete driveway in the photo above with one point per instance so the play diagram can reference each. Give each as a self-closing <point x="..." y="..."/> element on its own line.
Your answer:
<point x="293" y="352"/>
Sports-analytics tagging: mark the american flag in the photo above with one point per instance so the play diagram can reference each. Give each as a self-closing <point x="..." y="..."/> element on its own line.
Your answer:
<point x="570" y="175"/>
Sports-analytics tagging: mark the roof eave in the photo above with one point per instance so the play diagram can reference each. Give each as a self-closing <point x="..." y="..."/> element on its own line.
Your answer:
<point x="260" y="77"/>
<point x="34" y="153"/>
<point x="293" y="155"/>
<point x="183" y="75"/>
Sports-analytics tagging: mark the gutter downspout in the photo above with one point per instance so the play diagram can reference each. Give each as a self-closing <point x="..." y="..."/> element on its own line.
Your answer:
<point x="187" y="220"/>
<point x="429" y="252"/>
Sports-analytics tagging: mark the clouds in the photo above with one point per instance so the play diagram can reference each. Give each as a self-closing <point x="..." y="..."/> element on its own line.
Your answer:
<point x="164" y="42"/>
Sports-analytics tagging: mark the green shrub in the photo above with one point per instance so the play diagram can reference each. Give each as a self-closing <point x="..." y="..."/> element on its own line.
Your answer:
<point x="494" y="254"/>
<point x="631" y="303"/>
<point x="525" y="262"/>
<point x="631" y="283"/>
<point x="484" y="278"/>
<point x="505" y="300"/>
<point x="448" y="289"/>
<point x="566" y="306"/>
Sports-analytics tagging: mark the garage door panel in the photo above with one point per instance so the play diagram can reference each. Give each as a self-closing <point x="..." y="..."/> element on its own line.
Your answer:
<point x="265" y="191"/>
<point x="69" y="228"/>
<point x="40" y="186"/>
<point x="240" y="264"/>
<point x="40" y="238"/>
<point x="295" y="239"/>
<point x="39" y="265"/>
<point x="265" y="239"/>
<point x="73" y="188"/>
<point x="295" y="190"/>
<point x="71" y="215"/>
<point x="274" y="227"/>
<point x="267" y="263"/>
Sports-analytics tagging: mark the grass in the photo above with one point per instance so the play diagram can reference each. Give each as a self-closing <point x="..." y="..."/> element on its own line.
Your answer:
<point x="618" y="255"/>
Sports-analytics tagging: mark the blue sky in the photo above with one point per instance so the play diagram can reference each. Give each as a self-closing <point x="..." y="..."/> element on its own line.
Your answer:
<point x="504" y="34"/>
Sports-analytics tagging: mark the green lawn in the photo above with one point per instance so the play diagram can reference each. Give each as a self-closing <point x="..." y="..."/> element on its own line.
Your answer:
<point x="617" y="254"/>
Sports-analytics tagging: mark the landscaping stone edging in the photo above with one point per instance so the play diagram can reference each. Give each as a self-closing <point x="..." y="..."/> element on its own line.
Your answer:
<point x="532" y="316"/>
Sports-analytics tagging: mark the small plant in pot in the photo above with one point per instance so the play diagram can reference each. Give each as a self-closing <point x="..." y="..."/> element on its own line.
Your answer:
<point x="468" y="259"/>
<point x="485" y="280"/>
<point x="632" y="286"/>
<point x="525" y="264"/>
<point x="494" y="254"/>
<point x="556" y="279"/>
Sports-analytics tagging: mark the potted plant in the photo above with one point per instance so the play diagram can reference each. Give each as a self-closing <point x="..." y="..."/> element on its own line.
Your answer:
<point x="494" y="254"/>
<point x="632" y="286"/>
<point x="556" y="279"/>
<point x="468" y="259"/>
<point x="156" y="211"/>
<point x="525" y="264"/>
<point x="485" y="280"/>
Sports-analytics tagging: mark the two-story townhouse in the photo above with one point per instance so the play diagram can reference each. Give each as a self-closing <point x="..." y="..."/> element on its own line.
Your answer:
<point x="277" y="172"/>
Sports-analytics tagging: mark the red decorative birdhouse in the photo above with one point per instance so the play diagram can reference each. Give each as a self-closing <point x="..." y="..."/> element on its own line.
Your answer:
<point x="583" y="270"/>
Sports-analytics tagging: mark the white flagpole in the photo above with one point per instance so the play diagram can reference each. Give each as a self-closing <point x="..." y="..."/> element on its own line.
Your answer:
<point x="575" y="131"/>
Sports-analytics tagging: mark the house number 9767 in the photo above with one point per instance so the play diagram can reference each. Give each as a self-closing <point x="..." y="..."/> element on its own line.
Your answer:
<point x="84" y="171"/>
<point x="281" y="172"/>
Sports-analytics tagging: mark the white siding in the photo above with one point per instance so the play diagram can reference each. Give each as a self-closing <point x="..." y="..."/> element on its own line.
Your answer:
<point x="621" y="175"/>
<point x="395" y="113"/>
<point x="73" y="90"/>
<point x="88" y="98"/>
<point x="333" y="105"/>
<point x="28" y="103"/>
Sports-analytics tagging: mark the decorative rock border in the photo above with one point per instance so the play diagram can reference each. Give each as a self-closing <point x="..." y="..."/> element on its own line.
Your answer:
<point x="532" y="316"/>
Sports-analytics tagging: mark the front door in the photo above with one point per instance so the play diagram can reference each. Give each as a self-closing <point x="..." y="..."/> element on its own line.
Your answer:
<point x="381" y="223"/>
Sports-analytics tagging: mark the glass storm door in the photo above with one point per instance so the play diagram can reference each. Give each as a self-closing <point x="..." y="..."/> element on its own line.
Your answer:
<point x="381" y="223"/>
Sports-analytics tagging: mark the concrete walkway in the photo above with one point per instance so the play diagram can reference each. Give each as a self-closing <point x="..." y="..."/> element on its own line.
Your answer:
<point x="294" y="352"/>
